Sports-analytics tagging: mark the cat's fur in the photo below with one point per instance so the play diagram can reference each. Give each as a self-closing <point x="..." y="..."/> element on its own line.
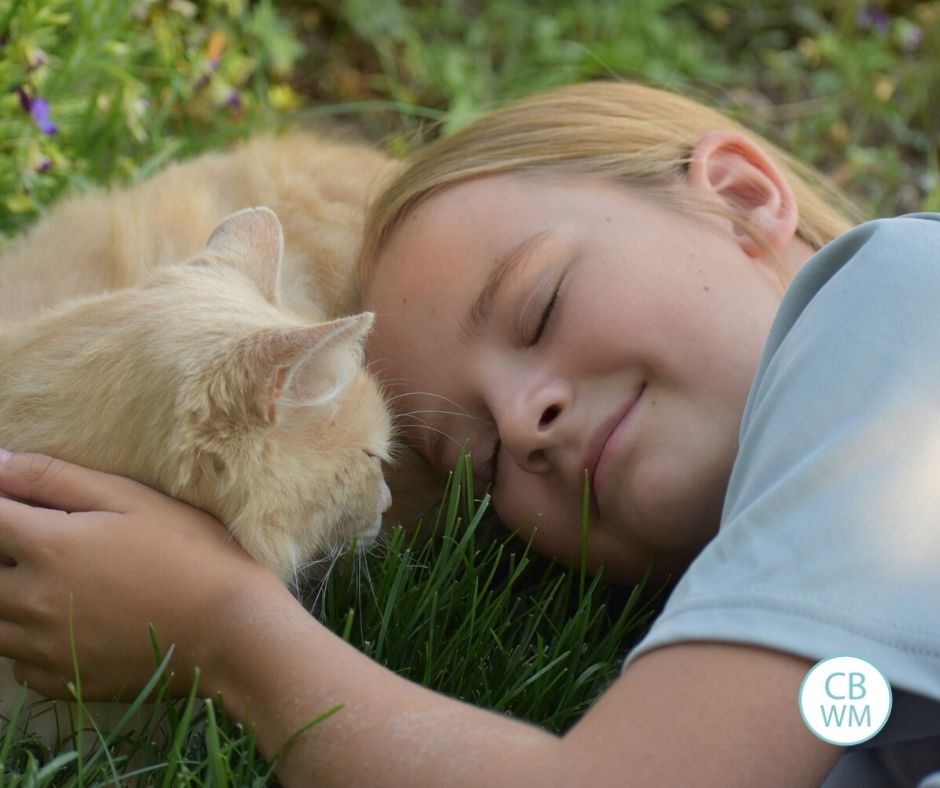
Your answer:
<point x="319" y="185"/>
<point x="228" y="381"/>
<point x="197" y="382"/>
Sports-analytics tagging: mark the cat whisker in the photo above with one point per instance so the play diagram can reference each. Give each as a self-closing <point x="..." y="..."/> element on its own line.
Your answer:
<point x="460" y="408"/>
<point x="363" y="566"/>
<point x="449" y="437"/>
<point x="324" y="565"/>
<point x="410" y="413"/>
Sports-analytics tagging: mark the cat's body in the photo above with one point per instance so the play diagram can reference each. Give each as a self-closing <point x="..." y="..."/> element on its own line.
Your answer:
<point x="199" y="383"/>
<point x="224" y="381"/>
<point x="318" y="186"/>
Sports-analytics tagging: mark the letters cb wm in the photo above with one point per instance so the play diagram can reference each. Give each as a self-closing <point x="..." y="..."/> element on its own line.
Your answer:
<point x="845" y="700"/>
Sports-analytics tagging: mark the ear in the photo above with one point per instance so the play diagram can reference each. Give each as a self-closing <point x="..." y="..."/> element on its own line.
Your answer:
<point x="294" y="369"/>
<point x="735" y="170"/>
<point x="252" y="241"/>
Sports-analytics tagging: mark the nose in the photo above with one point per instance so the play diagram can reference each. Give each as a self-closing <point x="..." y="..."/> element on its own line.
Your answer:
<point x="386" y="498"/>
<point x="529" y="421"/>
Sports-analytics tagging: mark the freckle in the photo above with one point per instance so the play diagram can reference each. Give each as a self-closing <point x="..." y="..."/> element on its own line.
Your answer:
<point x="606" y="218"/>
<point x="706" y="288"/>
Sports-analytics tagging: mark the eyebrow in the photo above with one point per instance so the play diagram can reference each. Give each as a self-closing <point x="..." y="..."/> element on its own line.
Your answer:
<point x="503" y="268"/>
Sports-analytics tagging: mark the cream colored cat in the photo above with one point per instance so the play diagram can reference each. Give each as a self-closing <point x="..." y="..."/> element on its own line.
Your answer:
<point x="318" y="184"/>
<point x="103" y="242"/>
<point x="199" y="382"/>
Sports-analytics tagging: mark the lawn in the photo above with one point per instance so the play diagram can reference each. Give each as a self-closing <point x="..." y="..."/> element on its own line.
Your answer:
<point x="108" y="91"/>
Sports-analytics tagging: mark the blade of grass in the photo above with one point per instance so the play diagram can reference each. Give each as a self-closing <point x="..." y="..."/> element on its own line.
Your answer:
<point x="300" y="732"/>
<point x="175" y="759"/>
<point x="585" y="522"/>
<point x="217" y="761"/>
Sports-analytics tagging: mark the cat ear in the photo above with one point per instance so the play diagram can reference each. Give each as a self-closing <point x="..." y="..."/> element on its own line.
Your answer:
<point x="309" y="367"/>
<point x="252" y="241"/>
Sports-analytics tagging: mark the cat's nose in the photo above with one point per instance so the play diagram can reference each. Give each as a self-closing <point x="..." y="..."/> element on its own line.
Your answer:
<point x="386" y="498"/>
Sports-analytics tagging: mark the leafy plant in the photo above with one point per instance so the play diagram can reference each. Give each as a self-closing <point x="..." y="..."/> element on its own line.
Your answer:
<point x="97" y="90"/>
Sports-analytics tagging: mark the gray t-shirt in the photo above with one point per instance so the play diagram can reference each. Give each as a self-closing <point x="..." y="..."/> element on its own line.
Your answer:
<point x="829" y="542"/>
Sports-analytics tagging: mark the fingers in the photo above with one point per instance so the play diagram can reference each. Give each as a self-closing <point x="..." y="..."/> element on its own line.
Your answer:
<point x="61" y="485"/>
<point x="18" y="523"/>
<point x="41" y="681"/>
<point x="14" y="642"/>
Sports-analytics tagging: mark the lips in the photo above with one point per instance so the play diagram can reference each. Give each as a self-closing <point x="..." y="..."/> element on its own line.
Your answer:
<point x="603" y="443"/>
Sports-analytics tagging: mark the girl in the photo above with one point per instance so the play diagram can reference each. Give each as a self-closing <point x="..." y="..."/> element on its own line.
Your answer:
<point x="605" y="279"/>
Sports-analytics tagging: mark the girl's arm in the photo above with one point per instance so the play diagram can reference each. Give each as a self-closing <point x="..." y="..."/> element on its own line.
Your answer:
<point x="124" y="555"/>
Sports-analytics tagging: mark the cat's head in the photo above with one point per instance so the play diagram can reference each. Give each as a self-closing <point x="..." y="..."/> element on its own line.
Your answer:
<point x="199" y="383"/>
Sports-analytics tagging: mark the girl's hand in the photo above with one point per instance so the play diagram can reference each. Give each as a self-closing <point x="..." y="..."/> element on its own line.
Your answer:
<point x="103" y="557"/>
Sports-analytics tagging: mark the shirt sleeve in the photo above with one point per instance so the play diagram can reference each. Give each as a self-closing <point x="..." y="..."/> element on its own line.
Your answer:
<point x="830" y="537"/>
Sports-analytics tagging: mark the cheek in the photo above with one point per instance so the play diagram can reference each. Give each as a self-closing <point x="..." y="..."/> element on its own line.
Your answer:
<point x="553" y="529"/>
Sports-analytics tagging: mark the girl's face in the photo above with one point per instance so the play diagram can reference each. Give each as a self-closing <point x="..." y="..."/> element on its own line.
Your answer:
<point x="567" y="326"/>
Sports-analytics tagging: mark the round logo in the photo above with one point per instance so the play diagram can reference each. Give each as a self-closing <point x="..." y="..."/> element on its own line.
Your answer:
<point x="845" y="700"/>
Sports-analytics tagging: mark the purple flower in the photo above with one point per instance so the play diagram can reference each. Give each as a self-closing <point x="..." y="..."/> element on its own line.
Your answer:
<point x="44" y="165"/>
<point x="25" y="103"/>
<point x="41" y="114"/>
<point x="870" y="17"/>
<point x="234" y="100"/>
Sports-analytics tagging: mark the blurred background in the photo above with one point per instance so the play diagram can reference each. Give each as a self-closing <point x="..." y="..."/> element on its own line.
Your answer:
<point x="102" y="91"/>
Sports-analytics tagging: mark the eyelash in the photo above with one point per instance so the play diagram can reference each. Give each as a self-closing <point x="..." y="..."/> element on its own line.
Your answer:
<point x="493" y="462"/>
<point x="546" y="315"/>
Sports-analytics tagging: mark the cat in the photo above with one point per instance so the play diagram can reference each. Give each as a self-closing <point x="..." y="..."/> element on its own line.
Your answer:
<point x="108" y="241"/>
<point x="318" y="182"/>
<point x="198" y="382"/>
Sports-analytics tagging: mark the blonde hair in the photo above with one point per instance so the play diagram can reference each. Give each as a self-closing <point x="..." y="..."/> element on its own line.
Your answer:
<point x="637" y="135"/>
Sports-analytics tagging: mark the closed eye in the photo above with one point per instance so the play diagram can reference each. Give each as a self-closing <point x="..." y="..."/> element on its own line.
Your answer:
<point x="546" y="315"/>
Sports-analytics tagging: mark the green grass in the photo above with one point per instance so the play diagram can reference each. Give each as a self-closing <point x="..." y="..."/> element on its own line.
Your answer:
<point x="458" y="606"/>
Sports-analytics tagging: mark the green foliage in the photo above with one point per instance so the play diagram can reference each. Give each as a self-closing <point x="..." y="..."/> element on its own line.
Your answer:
<point x="460" y="608"/>
<point x="848" y="86"/>
<point x="128" y="85"/>
<point x="473" y="613"/>
<point x="464" y="57"/>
